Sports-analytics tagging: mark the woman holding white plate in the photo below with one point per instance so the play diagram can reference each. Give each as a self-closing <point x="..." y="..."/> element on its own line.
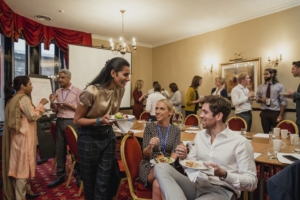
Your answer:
<point x="159" y="137"/>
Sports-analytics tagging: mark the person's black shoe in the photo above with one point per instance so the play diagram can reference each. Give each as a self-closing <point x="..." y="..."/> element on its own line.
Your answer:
<point x="32" y="196"/>
<point x="57" y="182"/>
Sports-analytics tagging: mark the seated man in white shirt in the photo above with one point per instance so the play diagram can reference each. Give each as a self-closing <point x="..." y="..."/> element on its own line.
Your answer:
<point x="229" y="154"/>
<point x="152" y="100"/>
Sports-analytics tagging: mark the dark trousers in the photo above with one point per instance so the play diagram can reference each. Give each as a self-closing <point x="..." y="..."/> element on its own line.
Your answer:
<point x="187" y="113"/>
<point x="268" y="119"/>
<point x="61" y="149"/>
<point x="247" y="116"/>
<point x="153" y="118"/>
<point x="96" y="151"/>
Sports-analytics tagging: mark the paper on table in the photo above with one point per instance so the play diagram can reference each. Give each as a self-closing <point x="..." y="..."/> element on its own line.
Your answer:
<point x="284" y="160"/>
<point x="192" y="174"/>
<point x="256" y="155"/>
<point x="261" y="135"/>
<point x="125" y="126"/>
<point x="195" y="132"/>
<point x="185" y="142"/>
<point x="136" y="131"/>
<point x="192" y="128"/>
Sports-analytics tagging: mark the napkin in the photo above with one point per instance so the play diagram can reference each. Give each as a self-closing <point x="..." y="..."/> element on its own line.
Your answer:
<point x="124" y="126"/>
<point x="284" y="160"/>
<point x="261" y="135"/>
<point x="136" y="131"/>
<point x="195" y="174"/>
<point x="192" y="128"/>
<point x="256" y="155"/>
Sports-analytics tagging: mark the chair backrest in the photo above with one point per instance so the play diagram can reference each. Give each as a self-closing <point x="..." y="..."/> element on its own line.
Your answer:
<point x="289" y="125"/>
<point x="177" y="116"/>
<point x="131" y="155"/>
<point x="145" y="116"/>
<point x="71" y="138"/>
<point x="192" y="120"/>
<point x="53" y="131"/>
<point x="236" y="123"/>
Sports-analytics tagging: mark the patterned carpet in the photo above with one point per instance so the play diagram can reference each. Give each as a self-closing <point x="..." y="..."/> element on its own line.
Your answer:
<point x="44" y="177"/>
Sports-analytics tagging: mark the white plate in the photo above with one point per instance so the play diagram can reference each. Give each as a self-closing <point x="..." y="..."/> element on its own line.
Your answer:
<point x="152" y="161"/>
<point x="200" y="167"/>
<point x="112" y="118"/>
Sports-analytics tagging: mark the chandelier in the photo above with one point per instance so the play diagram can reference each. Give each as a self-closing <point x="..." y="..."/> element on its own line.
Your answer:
<point x="122" y="47"/>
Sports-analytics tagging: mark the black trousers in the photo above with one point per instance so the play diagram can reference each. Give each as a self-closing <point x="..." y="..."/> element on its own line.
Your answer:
<point x="268" y="119"/>
<point x="96" y="151"/>
<point x="61" y="149"/>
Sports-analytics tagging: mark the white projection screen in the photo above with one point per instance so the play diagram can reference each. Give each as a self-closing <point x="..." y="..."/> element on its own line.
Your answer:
<point x="85" y="63"/>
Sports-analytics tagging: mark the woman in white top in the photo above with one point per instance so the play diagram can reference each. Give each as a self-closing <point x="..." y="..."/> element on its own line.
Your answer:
<point x="221" y="87"/>
<point x="176" y="97"/>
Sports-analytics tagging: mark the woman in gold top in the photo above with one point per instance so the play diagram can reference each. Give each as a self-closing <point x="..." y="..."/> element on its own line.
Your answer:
<point x="96" y="141"/>
<point x="19" y="141"/>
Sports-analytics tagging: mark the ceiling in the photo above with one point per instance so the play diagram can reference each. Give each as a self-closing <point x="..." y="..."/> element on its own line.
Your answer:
<point x="151" y="22"/>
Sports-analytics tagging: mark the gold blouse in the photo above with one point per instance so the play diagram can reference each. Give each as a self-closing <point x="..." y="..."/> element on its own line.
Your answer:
<point x="101" y="101"/>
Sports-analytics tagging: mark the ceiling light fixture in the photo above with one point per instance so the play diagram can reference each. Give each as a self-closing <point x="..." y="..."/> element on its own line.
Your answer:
<point x="122" y="47"/>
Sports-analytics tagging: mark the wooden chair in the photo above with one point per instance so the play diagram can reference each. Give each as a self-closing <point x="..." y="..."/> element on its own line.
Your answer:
<point x="289" y="125"/>
<point x="145" y="116"/>
<point x="71" y="138"/>
<point x="131" y="155"/>
<point x="177" y="116"/>
<point x="236" y="123"/>
<point x="192" y="120"/>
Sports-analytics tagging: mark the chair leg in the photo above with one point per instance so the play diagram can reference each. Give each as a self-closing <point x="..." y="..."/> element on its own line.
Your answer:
<point x="119" y="188"/>
<point x="80" y="189"/>
<point x="71" y="173"/>
<point x="245" y="195"/>
<point x="69" y="161"/>
<point x="53" y="166"/>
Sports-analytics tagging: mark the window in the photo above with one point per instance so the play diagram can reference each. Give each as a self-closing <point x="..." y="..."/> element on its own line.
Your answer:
<point x="20" y="58"/>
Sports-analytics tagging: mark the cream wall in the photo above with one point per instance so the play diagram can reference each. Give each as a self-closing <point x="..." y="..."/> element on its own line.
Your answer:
<point x="179" y="61"/>
<point x="269" y="35"/>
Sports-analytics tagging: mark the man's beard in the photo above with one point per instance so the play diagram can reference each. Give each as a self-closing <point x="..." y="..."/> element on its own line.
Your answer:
<point x="268" y="78"/>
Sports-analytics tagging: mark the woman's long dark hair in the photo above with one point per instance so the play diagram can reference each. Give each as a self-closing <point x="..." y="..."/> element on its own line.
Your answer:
<point x="104" y="78"/>
<point x="11" y="88"/>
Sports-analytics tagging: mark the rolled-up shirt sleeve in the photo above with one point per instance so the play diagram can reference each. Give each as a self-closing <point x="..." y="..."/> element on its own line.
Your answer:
<point x="237" y="99"/>
<point x="245" y="179"/>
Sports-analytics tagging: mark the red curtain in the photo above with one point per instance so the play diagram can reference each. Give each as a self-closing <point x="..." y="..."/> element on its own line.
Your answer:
<point x="14" y="25"/>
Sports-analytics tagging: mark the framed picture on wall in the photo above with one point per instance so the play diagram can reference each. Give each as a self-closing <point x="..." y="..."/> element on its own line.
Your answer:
<point x="231" y="70"/>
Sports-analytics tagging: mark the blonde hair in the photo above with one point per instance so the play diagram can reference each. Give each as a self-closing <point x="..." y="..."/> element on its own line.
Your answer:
<point x="138" y="85"/>
<point x="169" y="104"/>
<point x="242" y="76"/>
<point x="221" y="80"/>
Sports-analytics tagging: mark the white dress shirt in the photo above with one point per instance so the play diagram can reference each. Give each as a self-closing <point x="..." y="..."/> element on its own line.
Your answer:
<point x="176" y="101"/>
<point x="152" y="101"/>
<point x="233" y="153"/>
<point x="164" y="93"/>
<point x="240" y="100"/>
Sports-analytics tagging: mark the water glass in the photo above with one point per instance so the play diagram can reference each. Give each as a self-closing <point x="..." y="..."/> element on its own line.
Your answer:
<point x="297" y="147"/>
<point x="144" y="123"/>
<point x="243" y="132"/>
<point x="271" y="136"/>
<point x="272" y="154"/>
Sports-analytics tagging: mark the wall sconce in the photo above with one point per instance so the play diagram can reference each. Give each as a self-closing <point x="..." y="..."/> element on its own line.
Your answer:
<point x="276" y="61"/>
<point x="211" y="68"/>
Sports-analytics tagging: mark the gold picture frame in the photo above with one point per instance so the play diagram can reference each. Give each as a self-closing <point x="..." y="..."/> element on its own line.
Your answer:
<point x="230" y="71"/>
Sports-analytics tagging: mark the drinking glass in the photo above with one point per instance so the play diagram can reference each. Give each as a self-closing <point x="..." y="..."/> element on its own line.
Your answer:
<point x="144" y="123"/>
<point x="297" y="147"/>
<point x="272" y="154"/>
<point x="174" y="119"/>
<point x="243" y="132"/>
<point x="271" y="136"/>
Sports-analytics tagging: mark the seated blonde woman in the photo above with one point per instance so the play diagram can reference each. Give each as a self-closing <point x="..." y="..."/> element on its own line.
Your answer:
<point x="160" y="136"/>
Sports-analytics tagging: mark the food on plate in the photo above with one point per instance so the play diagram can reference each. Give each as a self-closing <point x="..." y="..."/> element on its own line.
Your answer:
<point x="120" y="115"/>
<point x="160" y="156"/>
<point x="192" y="164"/>
<point x="165" y="160"/>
